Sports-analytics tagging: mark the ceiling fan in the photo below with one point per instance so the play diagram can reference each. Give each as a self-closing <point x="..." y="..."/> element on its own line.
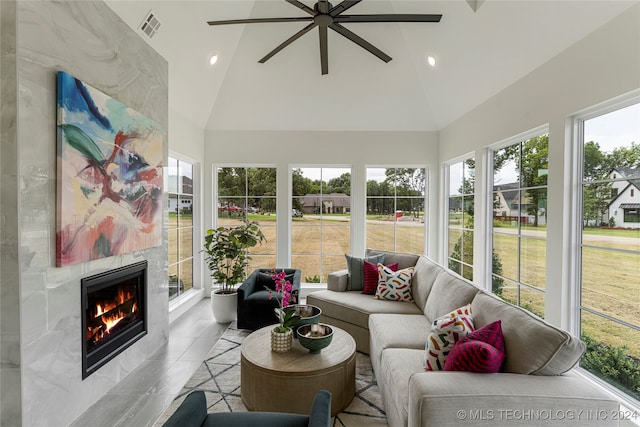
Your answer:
<point x="324" y="16"/>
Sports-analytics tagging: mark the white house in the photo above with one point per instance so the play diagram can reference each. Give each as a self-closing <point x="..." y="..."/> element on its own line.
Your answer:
<point x="624" y="207"/>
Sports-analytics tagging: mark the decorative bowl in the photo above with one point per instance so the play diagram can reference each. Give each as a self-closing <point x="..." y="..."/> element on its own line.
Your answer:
<point x="315" y="336"/>
<point x="308" y="314"/>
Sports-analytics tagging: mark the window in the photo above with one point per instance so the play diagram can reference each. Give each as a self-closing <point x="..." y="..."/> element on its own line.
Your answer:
<point x="320" y="220"/>
<point x="396" y="209"/>
<point x="519" y="222"/>
<point x="609" y="267"/>
<point x="460" y="208"/>
<point x="249" y="193"/>
<point x="181" y="226"/>
<point x="631" y="215"/>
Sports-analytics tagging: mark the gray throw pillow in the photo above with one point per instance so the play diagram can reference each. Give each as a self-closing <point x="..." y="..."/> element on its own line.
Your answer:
<point x="356" y="270"/>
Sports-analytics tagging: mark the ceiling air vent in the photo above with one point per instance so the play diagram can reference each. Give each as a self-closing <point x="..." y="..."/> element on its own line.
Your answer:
<point x="150" y="24"/>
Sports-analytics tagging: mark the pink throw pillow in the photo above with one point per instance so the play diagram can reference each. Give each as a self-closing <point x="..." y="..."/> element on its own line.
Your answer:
<point x="371" y="276"/>
<point x="480" y="351"/>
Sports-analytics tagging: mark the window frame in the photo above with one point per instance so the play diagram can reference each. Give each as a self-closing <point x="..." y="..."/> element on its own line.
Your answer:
<point x="575" y="257"/>
<point x="216" y="197"/>
<point x="291" y="197"/>
<point x="489" y="188"/>
<point x="425" y="201"/>
<point x="196" y="278"/>
<point x="446" y="208"/>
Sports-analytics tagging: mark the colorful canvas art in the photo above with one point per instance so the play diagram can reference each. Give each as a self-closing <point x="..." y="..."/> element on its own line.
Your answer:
<point x="109" y="199"/>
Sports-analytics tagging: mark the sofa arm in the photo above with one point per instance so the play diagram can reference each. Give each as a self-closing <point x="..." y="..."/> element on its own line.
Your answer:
<point x="338" y="280"/>
<point x="191" y="412"/>
<point x="248" y="286"/>
<point x="320" y="415"/>
<point x="466" y="398"/>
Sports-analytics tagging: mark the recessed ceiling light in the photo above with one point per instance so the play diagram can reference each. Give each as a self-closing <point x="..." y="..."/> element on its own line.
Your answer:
<point x="432" y="60"/>
<point x="213" y="59"/>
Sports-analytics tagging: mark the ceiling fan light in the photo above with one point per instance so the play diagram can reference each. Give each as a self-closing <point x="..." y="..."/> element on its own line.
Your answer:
<point x="432" y="60"/>
<point x="213" y="59"/>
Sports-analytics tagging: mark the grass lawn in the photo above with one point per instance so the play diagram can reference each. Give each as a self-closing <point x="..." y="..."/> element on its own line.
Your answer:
<point x="612" y="291"/>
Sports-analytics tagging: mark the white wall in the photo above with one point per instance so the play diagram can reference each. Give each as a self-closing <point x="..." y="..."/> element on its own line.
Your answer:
<point x="87" y="40"/>
<point x="600" y="67"/>
<point x="185" y="137"/>
<point x="284" y="149"/>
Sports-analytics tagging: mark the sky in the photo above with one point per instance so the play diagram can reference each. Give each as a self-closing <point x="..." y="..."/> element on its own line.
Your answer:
<point x="616" y="129"/>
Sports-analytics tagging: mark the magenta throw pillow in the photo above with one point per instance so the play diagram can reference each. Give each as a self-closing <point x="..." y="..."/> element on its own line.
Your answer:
<point x="480" y="351"/>
<point x="371" y="276"/>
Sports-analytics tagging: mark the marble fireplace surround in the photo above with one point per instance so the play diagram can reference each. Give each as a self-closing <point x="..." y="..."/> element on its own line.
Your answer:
<point x="40" y="344"/>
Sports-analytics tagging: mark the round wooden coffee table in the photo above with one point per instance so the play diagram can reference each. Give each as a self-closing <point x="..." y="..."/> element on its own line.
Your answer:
<point x="287" y="382"/>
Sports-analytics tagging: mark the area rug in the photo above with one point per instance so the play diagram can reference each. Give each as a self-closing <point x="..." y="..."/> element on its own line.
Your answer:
<point x="219" y="378"/>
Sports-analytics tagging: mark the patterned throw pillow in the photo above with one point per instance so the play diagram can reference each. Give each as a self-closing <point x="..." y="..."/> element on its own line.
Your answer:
<point x="394" y="285"/>
<point x="445" y="332"/>
<point x="356" y="270"/>
<point x="480" y="351"/>
<point x="371" y="276"/>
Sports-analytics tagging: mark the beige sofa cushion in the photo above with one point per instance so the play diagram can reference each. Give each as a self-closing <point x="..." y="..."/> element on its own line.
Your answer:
<point x="424" y="275"/>
<point x="397" y="365"/>
<point x="396" y="331"/>
<point x="532" y="346"/>
<point x="354" y="307"/>
<point x="449" y="292"/>
<point x="403" y="260"/>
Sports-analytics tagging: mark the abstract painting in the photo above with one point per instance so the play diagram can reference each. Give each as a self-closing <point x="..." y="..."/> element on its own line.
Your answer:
<point x="109" y="199"/>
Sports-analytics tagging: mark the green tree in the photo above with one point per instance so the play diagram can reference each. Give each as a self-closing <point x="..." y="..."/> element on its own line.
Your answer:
<point x="624" y="157"/>
<point x="341" y="184"/>
<point x="232" y="182"/>
<point x="534" y="167"/>
<point x="301" y="185"/>
<point x="595" y="197"/>
<point x="463" y="252"/>
<point x="407" y="181"/>
<point x="378" y="197"/>
<point x="595" y="164"/>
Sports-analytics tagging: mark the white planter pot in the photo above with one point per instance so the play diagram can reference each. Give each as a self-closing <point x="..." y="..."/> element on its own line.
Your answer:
<point x="224" y="306"/>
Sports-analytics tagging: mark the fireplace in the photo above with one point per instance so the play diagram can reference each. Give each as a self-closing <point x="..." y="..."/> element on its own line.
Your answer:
<point x="114" y="314"/>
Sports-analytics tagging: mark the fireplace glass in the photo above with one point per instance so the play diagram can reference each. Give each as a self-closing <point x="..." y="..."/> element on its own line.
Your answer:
<point x="114" y="307"/>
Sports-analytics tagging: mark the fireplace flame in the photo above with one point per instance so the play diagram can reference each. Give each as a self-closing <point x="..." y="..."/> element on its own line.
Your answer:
<point x="120" y="298"/>
<point x="112" y="320"/>
<point x="110" y="314"/>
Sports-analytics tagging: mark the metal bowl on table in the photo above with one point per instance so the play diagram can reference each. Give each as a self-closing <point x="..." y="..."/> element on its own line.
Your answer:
<point x="315" y="336"/>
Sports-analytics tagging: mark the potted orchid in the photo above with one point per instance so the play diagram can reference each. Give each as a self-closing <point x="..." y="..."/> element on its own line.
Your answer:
<point x="282" y="335"/>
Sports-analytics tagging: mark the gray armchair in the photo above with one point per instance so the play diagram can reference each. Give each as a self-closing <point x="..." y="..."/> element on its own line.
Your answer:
<point x="193" y="413"/>
<point x="255" y="309"/>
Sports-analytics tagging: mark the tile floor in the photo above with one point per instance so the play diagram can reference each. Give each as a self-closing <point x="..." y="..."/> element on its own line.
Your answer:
<point x="143" y="395"/>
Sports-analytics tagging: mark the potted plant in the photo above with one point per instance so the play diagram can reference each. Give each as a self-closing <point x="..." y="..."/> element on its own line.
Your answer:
<point x="227" y="259"/>
<point x="282" y="335"/>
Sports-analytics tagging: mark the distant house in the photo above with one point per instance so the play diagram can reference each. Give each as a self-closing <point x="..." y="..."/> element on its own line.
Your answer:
<point x="624" y="207"/>
<point x="508" y="206"/>
<point x="186" y="198"/>
<point x="326" y="203"/>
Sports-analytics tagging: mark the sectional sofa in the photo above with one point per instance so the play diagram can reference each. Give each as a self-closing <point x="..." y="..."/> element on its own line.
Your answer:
<point x="536" y="385"/>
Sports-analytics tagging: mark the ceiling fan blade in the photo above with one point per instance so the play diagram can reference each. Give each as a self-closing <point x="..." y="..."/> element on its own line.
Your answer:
<point x="260" y="20"/>
<point x="342" y="6"/>
<point x="288" y="41"/>
<point x="324" y="50"/>
<point x="360" y="41"/>
<point x="302" y="6"/>
<point x="323" y="6"/>
<point x="345" y="19"/>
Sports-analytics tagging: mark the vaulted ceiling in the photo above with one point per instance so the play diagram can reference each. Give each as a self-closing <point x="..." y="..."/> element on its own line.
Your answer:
<point x="479" y="53"/>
